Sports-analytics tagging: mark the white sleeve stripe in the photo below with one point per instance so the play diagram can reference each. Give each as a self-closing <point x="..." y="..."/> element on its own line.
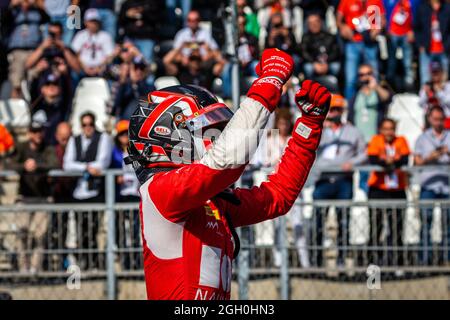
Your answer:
<point x="239" y="140"/>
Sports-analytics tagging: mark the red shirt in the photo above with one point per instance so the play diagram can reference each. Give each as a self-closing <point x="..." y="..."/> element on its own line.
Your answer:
<point x="436" y="45"/>
<point x="360" y="14"/>
<point x="401" y="19"/>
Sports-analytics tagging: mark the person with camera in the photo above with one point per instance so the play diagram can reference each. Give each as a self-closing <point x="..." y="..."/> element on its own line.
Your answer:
<point x="132" y="86"/>
<point x="194" y="38"/>
<point x="360" y="22"/>
<point x="52" y="52"/>
<point x="432" y="148"/>
<point x="193" y="71"/>
<point x="369" y="106"/>
<point x="279" y="36"/>
<point x="436" y="92"/>
<point x="23" y="21"/>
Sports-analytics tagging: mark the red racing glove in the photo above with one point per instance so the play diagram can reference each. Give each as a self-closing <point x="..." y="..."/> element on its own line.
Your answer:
<point x="274" y="70"/>
<point x="313" y="101"/>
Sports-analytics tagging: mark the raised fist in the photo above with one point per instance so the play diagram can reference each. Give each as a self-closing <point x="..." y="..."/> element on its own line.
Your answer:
<point x="313" y="99"/>
<point x="275" y="63"/>
<point x="274" y="70"/>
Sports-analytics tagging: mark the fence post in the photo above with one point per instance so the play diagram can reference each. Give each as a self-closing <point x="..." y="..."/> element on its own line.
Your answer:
<point x="111" y="235"/>
<point x="284" y="270"/>
<point x="243" y="263"/>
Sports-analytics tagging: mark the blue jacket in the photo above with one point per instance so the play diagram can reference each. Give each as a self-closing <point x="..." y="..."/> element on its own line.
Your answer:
<point x="422" y="25"/>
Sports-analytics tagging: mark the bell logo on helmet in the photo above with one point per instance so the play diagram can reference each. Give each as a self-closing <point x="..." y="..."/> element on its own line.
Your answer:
<point x="147" y="126"/>
<point x="162" y="130"/>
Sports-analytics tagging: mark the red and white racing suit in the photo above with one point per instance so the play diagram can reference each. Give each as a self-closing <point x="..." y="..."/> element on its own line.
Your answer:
<point x="188" y="246"/>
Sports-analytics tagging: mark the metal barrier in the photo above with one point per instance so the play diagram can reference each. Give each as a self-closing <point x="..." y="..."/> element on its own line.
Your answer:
<point x="321" y="249"/>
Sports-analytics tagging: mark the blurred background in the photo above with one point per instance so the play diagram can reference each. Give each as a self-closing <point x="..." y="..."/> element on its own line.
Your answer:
<point x="373" y="219"/>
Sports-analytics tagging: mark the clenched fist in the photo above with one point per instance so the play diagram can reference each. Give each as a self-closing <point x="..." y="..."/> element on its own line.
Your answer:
<point x="274" y="70"/>
<point x="313" y="99"/>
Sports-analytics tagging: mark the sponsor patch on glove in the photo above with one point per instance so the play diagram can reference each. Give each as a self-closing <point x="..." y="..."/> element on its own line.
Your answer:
<point x="303" y="131"/>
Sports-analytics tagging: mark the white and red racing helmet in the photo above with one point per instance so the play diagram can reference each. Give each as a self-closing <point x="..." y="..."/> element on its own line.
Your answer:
<point x="175" y="127"/>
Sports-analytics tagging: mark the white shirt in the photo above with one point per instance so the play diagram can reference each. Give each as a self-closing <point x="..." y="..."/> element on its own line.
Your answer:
<point x="186" y="35"/>
<point x="93" y="49"/>
<point x="102" y="161"/>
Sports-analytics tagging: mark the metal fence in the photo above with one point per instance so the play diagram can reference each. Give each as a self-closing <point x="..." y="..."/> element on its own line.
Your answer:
<point x="321" y="249"/>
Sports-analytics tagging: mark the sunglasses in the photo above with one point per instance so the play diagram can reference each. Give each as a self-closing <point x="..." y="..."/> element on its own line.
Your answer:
<point x="90" y="124"/>
<point x="365" y="74"/>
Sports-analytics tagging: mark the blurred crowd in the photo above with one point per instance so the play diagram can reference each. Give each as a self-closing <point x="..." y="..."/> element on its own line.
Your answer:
<point x="364" y="51"/>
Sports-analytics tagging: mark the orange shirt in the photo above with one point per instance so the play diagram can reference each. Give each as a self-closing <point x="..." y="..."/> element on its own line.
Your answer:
<point x="398" y="148"/>
<point x="358" y="12"/>
<point x="6" y="141"/>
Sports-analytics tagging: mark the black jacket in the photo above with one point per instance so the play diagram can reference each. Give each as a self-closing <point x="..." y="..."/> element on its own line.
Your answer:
<point x="313" y="44"/>
<point x="422" y="25"/>
<point x="145" y="27"/>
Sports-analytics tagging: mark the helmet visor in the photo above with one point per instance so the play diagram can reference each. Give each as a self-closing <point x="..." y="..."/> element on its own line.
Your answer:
<point x="214" y="116"/>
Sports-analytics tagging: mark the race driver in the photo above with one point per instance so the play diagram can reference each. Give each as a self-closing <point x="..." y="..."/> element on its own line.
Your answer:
<point x="188" y="215"/>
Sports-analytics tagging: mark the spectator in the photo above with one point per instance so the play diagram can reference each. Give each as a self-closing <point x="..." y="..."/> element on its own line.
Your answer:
<point x="251" y="20"/>
<point x="132" y="87"/>
<point x="119" y="65"/>
<point x="32" y="160"/>
<point x="6" y="142"/>
<point x="64" y="185"/>
<point x="135" y="25"/>
<point x="370" y="103"/>
<point x="128" y="191"/>
<point x="432" y="148"/>
<point x="54" y="101"/>
<point x="320" y="50"/>
<point x="191" y="39"/>
<point x="23" y="21"/>
<point x="62" y="193"/>
<point x="58" y="10"/>
<point x="288" y="12"/>
<point x="269" y="155"/>
<point x="390" y="152"/>
<point x="93" y="45"/>
<point x="360" y="23"/>
<point x="193" y="71"/>
<point x="279" y="36"/>
<point x="401" y="35"/>
<point x="436" y="92"/>
<point x="105" y="9"/>
<point x="90" y="153"/>
<point x="247" y="56"/>
<point x="432" y="29"/>
<point x="342" y="147"/>
<point x="314" y="7"/>
<point x="52" y="53"/>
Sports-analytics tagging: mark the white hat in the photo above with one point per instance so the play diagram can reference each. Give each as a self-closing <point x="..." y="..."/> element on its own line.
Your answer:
<point x="92" y="15"/>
